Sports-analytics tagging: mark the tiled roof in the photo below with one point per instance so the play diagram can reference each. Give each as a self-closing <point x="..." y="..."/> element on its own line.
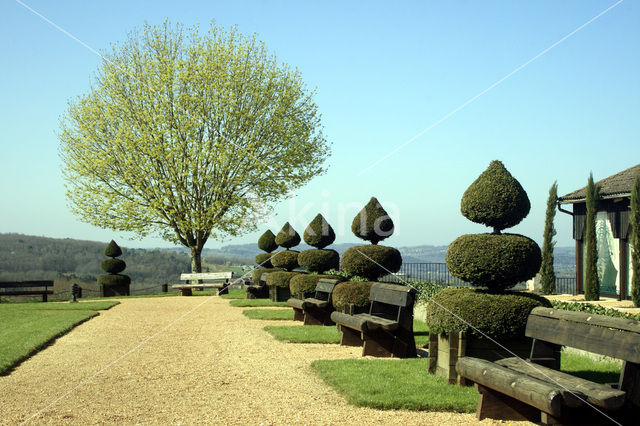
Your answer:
<point x="616" y="185"/>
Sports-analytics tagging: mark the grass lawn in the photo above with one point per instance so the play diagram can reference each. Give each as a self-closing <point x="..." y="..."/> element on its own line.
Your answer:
<point x="269" y="314"/>
<point x="235" y="293"/>
<point x="29" y="327"/>
<point x="590" y="369"/>
<point x="391" y="384"/>
<point x="253" y="303"/>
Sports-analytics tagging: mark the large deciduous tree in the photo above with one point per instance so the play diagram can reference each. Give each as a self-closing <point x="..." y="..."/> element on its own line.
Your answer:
<point x="181" y="132"/>
<point x="547" y="274"/>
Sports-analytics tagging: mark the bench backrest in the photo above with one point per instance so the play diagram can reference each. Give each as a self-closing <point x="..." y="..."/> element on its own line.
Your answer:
<point x="206" y="276"/>
<point x="615" y="337"/>
<point x="25" y="284"/>
<point x="392" y="301"/>
<point x="324" y="288"/>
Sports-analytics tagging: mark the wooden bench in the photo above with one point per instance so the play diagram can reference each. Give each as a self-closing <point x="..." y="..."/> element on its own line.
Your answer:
<point x="315" y="310"/>
<point x="258" y="290"/>
<point x="514" y="389"/>
<point x="387" y="330"/>
<point x="26" y="288"/>
<point x="186" y="289"/>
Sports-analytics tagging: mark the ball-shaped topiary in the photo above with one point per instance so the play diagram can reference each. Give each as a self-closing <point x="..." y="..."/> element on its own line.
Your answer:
<point x="287" y="237"/>
<point x="285" y="259"/>
<point x="113" y="266"/>
<point x="267" y="241"/>
<point x="500" y="316"/>
<point x="264" y="260"/>
<point x="257" y="273"/>
<point x="495" y="199"/>
<point x="280" y="278"/>
<point x="319" y="233"/>
<point x="371" y="261"/>
<point x="319" y="260"/>
<point x="351" y="292"/>
<point x="304" y="285"/>
<point x="497" y="262"/>
<point x="372" y="223"/>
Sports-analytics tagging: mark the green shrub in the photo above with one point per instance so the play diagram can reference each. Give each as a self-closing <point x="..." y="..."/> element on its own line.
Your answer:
<point x="305" y="284"/>
<point x="372" y="223"/>
<point x="264" y="260"/>
<point x="371" y="261"/>
<point x="319" y="260"/>
<point x="257" y="273"/>
<point x="110" y="280"/>
<point x="267" y="242"/>
<point x="351" y="292"/>
<point x="113" y="266"/>
<point x="495" y="199"/>
<point x="319" y="233"/>
<point x="497" y="262"/>
<point x="285" y="259"/>
<point x="338" y="273"/>
<point x="280" y="278"/>
<point x="594" y="309"/>
<point x="500" y="316"/>
<point x="112" y="250"/>
<point x="426" y="289"/>
<point x="287" y="237"/>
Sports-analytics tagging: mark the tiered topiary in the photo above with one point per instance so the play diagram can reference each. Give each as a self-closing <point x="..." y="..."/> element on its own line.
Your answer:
<point x="318" y="234"/>
<point x="266" y="243"/>
<point x="285" y="259"/>
<point x="113" y="283"/>
<point x="368" y="261"/>
<point x="494" y="262"/>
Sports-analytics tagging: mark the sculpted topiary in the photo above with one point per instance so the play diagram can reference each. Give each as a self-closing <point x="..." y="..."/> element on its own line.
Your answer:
<point x="351" y="292"/>
<point x="372" y="223"/>
<point x="287" y="237"/>
<point x="113" y="283"/>
<point x="319" y="234"/>
<point x="304" y="285"/>
<point x="266" y="242"/>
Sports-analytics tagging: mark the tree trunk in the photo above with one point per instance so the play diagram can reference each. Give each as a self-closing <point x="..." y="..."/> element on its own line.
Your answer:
<point x="196" y="260"/>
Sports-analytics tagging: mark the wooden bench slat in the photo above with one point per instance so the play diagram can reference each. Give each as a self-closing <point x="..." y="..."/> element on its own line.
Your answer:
<point x="392" y="294"/>
<point x="601" y="395"/>
<point x="317" y="303"/>
<point x="375" y="322"/>
<point x="206" y="276"/>
<point x="351" y="321"/>
<point x="326" y="285"/>
<point x="587" y="318"/>
<point x="295" y="303"/>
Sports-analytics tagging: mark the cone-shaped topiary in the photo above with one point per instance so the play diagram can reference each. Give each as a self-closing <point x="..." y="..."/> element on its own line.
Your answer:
<point x="319" y="260"/>
<point x="287" y="237"/>
<point x="372" y="223"/>
<point x="112" y="283"/>
<point x="371" y="261"/>
<point x="263" y="260"/>
<point x="285" y="259"/>
<point x="267" y="242"/>
<point x="495" y="199"/>
<point x="319" y="233"/>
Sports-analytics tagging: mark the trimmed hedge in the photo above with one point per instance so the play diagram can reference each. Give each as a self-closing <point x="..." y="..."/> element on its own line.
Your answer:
<point x="113" y="266"/>
<point x="287" y="237"/>
<point x="306" y="283"/>
<point x="257" y="273"/>
<point x="285" y="259"/>
<point x="319" y="260"/>
<point x="495" y="261"/>
<point x="351" y="292"/>
<point x="281" y="278"/>
<point x="372" y="223"/>
<point x="264" y="260"/>
<point x="371" y="261"/>
<point x="594" y="309"/>
<point x="319" y="233"/>
<point x="500" y="316"/>
<point x="267" y="241"/>
<point x="110" y="280"/>
<point x="112" y="250"/>
<point x="495" y="199"/>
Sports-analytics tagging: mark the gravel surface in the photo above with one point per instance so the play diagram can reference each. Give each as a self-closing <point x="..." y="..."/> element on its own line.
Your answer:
<point x="184" y="360"/>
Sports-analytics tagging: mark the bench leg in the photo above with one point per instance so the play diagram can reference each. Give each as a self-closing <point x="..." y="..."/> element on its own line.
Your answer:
<point x="317" y="317"/>
<point x="495" y="405"/>
<point x="350" y="337"/>
<point x="223" y="290"/>
<point x="380" y="345"/>
<point x="298" y="315"/>
<point x="185" y="292"/>
<point x="404" y="345"/>
<point x="44" y="297"/>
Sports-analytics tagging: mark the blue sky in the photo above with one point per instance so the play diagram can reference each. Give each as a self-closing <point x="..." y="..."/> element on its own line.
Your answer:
<point x="384" y="72"/>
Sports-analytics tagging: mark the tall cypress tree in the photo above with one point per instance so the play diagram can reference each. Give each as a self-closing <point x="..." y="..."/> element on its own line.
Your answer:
<point x="547" y="274"/>
<point x="591" y="281"/>
<point x="634" y="222"/>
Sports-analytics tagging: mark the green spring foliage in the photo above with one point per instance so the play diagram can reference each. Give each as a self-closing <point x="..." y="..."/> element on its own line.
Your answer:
<point x="372" y="223"/>
<point x="495" y="199"/>
<point x="319" y="260"/>
<point x="594" y="309"/>
<point x="319" y="233"/>
<point x="113" y="266"/>
<point x="305" y="284"/>
<point x="267" y="241"/>
<point x="500" y="316"/>
<point x="280" y="278"/>
<point x="264" y="260"/>
<point x="347" y="292"/>
<point x="285" y="259"/>
<point x="634" y="242"/>
<point x="287" y="237"/>
<point x="371" y="261"/>
<point x="497" y="262"/>
<point x="591" y="280"/>
<point x="547" y="274"/>
<point x="113" y="250"/>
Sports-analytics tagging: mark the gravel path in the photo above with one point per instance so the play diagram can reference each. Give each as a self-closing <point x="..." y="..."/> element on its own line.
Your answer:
<point x="184" y="360"/>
